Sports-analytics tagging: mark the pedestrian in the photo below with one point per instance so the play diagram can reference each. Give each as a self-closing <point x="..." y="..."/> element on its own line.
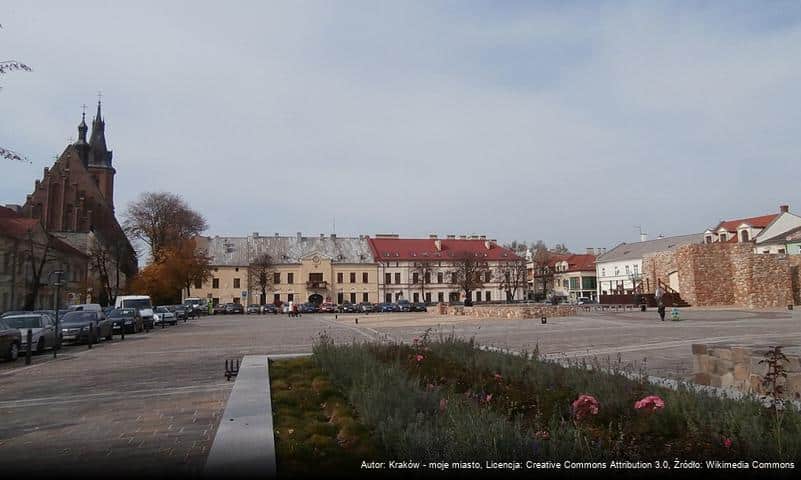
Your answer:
<point x="661" y="309"/>
<point x="294" y="310"/>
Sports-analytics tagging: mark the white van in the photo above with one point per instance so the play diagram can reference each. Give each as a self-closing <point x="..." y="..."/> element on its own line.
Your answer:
<point x="139" y="302"/>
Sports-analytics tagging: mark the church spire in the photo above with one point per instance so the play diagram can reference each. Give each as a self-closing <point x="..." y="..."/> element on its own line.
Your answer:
<point x="99" y="153"/>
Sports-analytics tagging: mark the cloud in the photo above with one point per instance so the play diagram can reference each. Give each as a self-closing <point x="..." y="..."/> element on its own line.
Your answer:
<point x="570" y="123"/>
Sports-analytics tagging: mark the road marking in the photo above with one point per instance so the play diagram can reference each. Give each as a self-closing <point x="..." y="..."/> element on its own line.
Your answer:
<point x="115" y="395"/>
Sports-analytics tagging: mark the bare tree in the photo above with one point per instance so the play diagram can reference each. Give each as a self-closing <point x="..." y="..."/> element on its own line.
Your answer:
<point x="162" y="220"/>
<point x="513" y="277"/>
<point x="469" y="272"/>
<point x="542" y="271"/>
<point x="38" y="253"/>
<point x="560" y="248"/>
<point x="5" y="67"/>
<point x="259" y="274"/>
<point x="423" y="271"/>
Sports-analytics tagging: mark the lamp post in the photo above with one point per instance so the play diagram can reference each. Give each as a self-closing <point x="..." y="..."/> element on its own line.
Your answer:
<point x="58" y="283"/>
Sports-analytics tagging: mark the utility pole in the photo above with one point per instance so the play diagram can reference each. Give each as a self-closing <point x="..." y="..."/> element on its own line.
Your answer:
<point x="58" y="283"/>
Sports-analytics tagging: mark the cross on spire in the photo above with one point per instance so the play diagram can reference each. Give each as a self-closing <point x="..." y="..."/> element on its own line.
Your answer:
<point x="99" y="96"/>
<point x="83" y="111"/>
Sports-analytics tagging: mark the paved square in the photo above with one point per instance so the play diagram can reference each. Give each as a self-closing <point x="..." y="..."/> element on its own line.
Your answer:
<point x="151" y="404"/>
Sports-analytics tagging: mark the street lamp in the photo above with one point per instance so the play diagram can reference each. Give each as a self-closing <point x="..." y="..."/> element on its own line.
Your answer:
<point x="58" y="283"/>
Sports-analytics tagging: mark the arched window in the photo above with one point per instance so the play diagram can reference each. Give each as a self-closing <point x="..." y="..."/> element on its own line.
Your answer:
<point x="744" y="236"/>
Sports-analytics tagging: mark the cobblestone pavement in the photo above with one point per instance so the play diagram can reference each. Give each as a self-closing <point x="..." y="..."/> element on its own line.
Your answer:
<point x="148" y="405"/>
<point x="663" y="348"/>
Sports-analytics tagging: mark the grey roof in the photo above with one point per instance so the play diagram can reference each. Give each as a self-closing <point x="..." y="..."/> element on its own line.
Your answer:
<point x="635" y="251"/>
<point x="239" y="251"/>
<point x="782" y="238"/>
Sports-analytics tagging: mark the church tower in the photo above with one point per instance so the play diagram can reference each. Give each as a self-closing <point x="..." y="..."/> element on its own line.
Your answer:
<point x="98" y="157"/>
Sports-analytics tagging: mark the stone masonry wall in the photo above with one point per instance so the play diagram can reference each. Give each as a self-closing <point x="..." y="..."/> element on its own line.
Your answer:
<point x="738" y="367"/>
<point x="519" y="312"/>
<point x="728" y="274"/>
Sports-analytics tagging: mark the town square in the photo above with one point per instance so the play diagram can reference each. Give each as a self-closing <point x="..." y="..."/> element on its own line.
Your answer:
<point x="423" y="239"/>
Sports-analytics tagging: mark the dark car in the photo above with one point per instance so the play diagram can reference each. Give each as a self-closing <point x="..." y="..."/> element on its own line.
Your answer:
<point x="181" y="312"/>
<point x="388" y="307"/>
<point x="218" y="309"/>
<point x="10" y="341"/>
<point x="404" y="306"/>
<point x="234" y="308"/>
<point x="348" y="308"/>
<point x="270" y="308"/>
<point x="253" y="308"/>
<point x="127" y="318"/>
<point x="419" y="307"/>
<point x="328" y="308"/>
<point x="309" y="308"/>
<point x="366" y="307"/>
<point x="75" y="326"/>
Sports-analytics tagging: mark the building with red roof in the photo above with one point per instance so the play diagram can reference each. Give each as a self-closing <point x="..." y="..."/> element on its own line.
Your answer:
<point x="741" y="230"/>
<point x="575" y="277"/>
<point x="425" y="269"/>
<point x="28" y="253"/>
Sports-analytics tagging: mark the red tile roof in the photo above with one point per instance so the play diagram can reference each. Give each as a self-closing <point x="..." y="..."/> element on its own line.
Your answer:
<point x="581" y="262"/>
<point x="16" y="226"/>
<point x="421" y="249"/>
<point x="756" y="222"/>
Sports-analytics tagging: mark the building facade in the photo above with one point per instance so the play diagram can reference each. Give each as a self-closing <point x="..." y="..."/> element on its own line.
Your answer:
<point x="423" y="269"/>
<point x="302" y="269"/>
<point x="575" y="277"/>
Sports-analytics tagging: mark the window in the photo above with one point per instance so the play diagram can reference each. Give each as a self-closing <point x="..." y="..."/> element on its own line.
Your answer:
<point x="708" y="239"/>
<point x="487" y="276"/>
<point x="488" y="296"/>
<point x="574" y="283"/>
<point x="744" y="236"/>
<point x="439" y="278"/>
<point x="352" y="277"/>
<point x="454" y="278"/>
<point x="236" y="283"/>
<point x="276" y="297"/>
<point x="290" y="297"/>
<point x="627" y="269"/>
<point x="340" y="279"/>
<point x="415" y="277"/>
<point x="781" y="250"/>
<point x="340" y="298"/>
<point x="290" y="278"/>
<point x="441" y="297"/>
<point x="198" y="284"/>
<point x="236" y="269"/>
<point x="365" y="297"/>
<point x="388" y="298"/>
<point x="352" y="297"/>
<point x="478" y="296"/>
<point x="365" y="277"/>
<point x="427" y="277"/>
<point x="565" y="283"/>
<point x="215" y="283"/>
<point x="617" y="271"/>
<point x="388" y="278"/>
<point x="277" y="278"/>
<point x="723" y="237"/>
<point x="416" y="297"/>
<point x="428" y="297"/>
<point x="398" y="296"/>
<point x="215" y="301"/>
<point x="636" y="269"/>
<point x="397" y="277"/>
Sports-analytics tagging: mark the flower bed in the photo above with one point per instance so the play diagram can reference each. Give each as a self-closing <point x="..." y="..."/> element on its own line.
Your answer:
<point x="443" y="400"/>
<point x="315" y="428"/>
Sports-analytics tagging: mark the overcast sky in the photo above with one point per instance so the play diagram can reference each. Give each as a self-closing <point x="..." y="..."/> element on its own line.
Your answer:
<point x="568" y="122"/>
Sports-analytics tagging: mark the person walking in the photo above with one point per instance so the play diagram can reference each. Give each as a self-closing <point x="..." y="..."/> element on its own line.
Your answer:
<point x="660" y="305"/>
<point x="661" y="310"/>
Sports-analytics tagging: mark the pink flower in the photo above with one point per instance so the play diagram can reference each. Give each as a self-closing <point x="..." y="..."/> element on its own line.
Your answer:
<point x="443" y="404"/>
<point x="542" y="435"/>
<point x="727" y="442"/>
<point x="415" y="339"/>
<point x="488" y="398"/>
<point x="498" y="377"/>
<point x="430" y="387"/>
<point x="585" y="405"/>
<point x="651" y="403"/>
<point x="419" y="358"/>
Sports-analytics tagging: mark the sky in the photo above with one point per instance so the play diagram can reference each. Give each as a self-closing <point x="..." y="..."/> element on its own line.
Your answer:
<point x="572" y="122"/>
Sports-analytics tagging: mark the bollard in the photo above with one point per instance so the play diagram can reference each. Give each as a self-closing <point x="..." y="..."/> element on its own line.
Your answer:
<point x="122" y="330"/>
<point x="357" y="320"/>
<point x="336" y="316"/>
<point x="30" y="347"/>
<point x="91" y="338"/>
<point x="544" y="320"/>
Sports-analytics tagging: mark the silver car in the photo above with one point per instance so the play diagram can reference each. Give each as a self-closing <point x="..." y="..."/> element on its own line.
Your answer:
<point x="42" y="326"/>
<point x="163" y="315"/>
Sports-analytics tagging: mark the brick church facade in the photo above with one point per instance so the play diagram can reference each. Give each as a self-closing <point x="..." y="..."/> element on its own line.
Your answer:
<point x="74" y="201"/>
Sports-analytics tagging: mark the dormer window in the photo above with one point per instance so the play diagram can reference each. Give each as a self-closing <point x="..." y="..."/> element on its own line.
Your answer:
<point x="744" y="236"/>
<point x="723" y="237"/>
<point x="708" y="239"/>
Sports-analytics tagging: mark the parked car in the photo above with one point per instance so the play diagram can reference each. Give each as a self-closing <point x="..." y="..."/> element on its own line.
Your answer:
<point x="218" y="309"/>
<point x="269" y="308"/>
<point x="10" y="341"/>
<point x="42" y="326"/>
<point x="348" y="307"/>
<point x="253" y="308"/>
<point x="196" y="305"/>
<point x="234" y="308"/>
<point x="181" y="312"/>
<point x="75" y="326"/>
<point x="585" y="301"/>
<point x="366" y="307"/>
<point x="419" y="307"/>
<point x="162" y="315"/>
<point x="404" y="306"/>
<point x="309" y="308"/>
<point x="127" y="318"/>
<point x="388" y="307"/>
<point x="93" y="307"/>
<point x="328" y="308"/>
<point x="139" y="302"/>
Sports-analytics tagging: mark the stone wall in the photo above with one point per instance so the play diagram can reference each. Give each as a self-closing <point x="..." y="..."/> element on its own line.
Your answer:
<point x="737" y="366"/>
<point x="727" y="274"/>
<point x="519" y="311"/>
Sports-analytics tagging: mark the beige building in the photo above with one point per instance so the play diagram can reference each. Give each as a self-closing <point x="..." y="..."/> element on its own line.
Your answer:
<point x="304" y="269"/>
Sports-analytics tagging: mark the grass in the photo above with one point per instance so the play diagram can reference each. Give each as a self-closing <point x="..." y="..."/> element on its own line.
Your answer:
<point x="315" y="427"/>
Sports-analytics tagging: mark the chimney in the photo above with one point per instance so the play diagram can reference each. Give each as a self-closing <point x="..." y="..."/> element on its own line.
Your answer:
<point x="451" y="237"/>
<point x="299" y="236"/>
<point x="590" y="251"/>
<point x="438" y="245"/>
<point x="255" y="234"/>
<point x="784" y="208"/>
<point x="488" y="244"/>
<point x="432" y="236"/>
<point x="322" y="235"/>
<point x="276" y="234"/>
<point x="660" y="236"/>
<point x="482" y="237"/>
<point x="333" y="236"/>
